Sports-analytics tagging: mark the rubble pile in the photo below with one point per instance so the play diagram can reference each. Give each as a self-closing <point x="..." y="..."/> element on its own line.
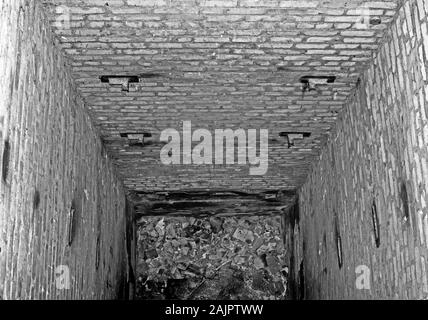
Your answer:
<point x="211" y="258"/>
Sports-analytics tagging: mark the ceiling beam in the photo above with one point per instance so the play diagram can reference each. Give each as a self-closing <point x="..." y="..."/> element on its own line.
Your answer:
<point x="202" y="203"/>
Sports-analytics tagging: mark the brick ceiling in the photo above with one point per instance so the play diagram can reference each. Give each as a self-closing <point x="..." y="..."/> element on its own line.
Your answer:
<point x="221" y="64"/>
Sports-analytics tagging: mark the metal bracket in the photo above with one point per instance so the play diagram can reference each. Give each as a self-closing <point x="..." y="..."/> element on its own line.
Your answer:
<point x="292" y="136"/>
<point x="136" y="139"/>
<point x="122" y="81"/>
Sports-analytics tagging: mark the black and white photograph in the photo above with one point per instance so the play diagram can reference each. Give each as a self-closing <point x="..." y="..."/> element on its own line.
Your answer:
<point x="213" y="157"/>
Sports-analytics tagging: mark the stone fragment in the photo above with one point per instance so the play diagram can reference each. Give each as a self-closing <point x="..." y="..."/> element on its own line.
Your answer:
<point x="151" y="254"/>
<point x="216" y="224"/>
<point x="239" y="260"/>
<point x="258" y="263"/>
<point x="273" y="264"/>
<point x="142" y="267"/>
<point x="258" y="281"/>
<point x="194" y="268"/>
<point x="271" y="246"/>
<point x="185" y="251"/>
<point x="263" y="249"/>
<point x="160" y="227"/>
<point x="257" y="243"/>
<point x="175" y="243"/>
<point x="276" y="287"/>
<point x="181" y="266"/>
<point x="170" y="231"/>
<point x="244" y="235"/>
<point x="183" y="242"/>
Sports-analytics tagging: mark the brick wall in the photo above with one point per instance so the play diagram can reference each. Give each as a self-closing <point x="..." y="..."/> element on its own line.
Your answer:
<point x="378" y="153"/>
<point x="55" y="159"/>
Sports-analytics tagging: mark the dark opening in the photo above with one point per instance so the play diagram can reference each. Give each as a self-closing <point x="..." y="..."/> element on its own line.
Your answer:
<point x="301" y="281"/>
<point x="72" y="217"/>
<point x="97" y="253"/>
<point x="375" y="220"/>
<point x="6" y="159"/>
<point x="131" y="79"/>
<point x="36" y="200"/>
<point x="306" y="79"/>
<point x="405" y="201"/>
<point x="338" y="241"/>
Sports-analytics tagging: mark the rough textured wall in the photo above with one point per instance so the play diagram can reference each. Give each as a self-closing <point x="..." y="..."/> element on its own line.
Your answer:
<point x="55" y="159"/>
<point x="378" y="153"/>
<point x="239" y="257"/>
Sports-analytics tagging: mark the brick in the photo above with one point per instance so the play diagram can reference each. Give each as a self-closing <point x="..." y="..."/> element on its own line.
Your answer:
<point x="357" y="33"/>
<point x="298" y="4"/>
<point x="311" y="46"/>
<point x="381" y="4"/>
<point x="319" y="39"/>
<point x="157" y="3"/>
<point x="334" y="19"/>
<point x="219" y="3"/>
<point x="359" y="40"/>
